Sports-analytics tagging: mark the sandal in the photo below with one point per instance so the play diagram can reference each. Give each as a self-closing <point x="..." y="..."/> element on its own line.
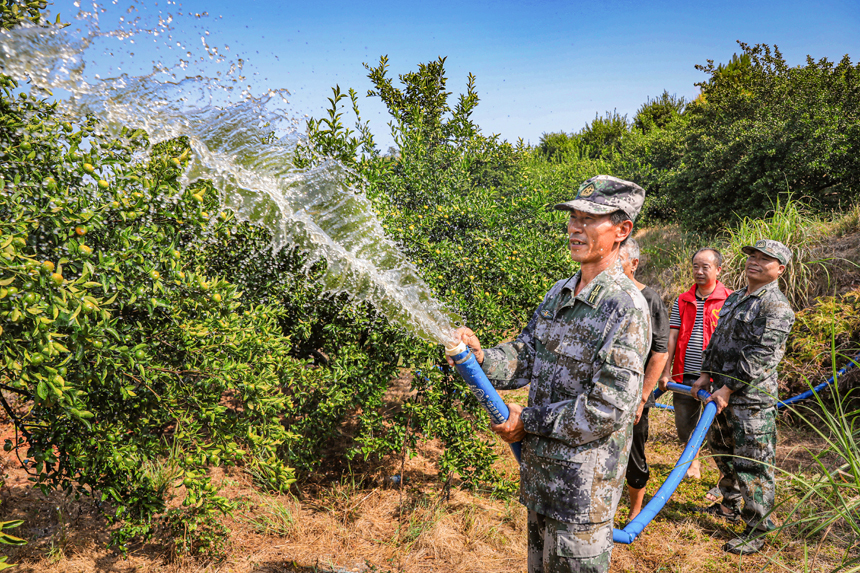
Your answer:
<point x="730" y="514"/>
<point x="714" y="495"/>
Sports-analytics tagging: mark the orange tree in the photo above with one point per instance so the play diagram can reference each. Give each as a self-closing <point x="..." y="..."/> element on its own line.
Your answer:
<point x="126" y="367"/>
<point x="465" y="209"/>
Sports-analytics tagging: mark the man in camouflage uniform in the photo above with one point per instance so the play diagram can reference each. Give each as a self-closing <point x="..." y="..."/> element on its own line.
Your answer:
<point x="739" y="366"/>
<point x="582" y="353"/>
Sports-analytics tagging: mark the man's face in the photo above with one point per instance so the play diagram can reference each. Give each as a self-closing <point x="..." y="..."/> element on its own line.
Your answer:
<point x="763" y="269"/>
<point x="705" y="269"/>
<point x="591" y="237"/>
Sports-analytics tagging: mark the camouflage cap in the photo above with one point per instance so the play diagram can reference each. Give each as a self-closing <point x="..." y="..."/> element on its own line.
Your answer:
<point x="604" y="194"/>
<point x="773" y="249"/>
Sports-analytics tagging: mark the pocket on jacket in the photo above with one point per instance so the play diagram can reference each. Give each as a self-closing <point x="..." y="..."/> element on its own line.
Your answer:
<point x="581" y="459"/>
<point x="749" y="326"/>
<point x="576" y="362"/>
<point x="583" y="540"/>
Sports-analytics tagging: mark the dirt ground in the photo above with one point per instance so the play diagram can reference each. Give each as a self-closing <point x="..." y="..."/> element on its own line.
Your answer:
<point x="366" y="522"/>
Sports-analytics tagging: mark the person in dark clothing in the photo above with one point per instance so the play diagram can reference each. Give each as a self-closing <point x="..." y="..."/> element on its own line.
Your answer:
<point x="739" y="368"/>
<point x="637" y="467"/>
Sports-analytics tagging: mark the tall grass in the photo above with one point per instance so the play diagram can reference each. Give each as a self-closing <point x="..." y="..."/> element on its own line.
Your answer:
<point x="795" y="227"/>
<point x="849" y="221"/>
<point x="273" y="517"/>
<point x="829" y="501"/>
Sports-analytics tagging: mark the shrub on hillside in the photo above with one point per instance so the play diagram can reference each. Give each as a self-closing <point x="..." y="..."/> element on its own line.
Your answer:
<point x="605" y="134"/>
<point x="767" y="128"/>
<point x="659" y="112"/>
<point x="559" y="146"/>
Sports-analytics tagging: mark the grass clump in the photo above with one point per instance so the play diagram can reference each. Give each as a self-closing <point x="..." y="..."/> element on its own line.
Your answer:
<point x="828" y="507"/>
<point x="795" y="227"/>
<point x="273" y="517"/>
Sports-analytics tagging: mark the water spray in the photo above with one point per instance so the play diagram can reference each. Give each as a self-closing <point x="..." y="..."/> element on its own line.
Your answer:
<point x="468" y="367"/>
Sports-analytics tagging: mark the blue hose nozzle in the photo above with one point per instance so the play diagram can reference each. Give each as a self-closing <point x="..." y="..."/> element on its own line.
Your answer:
<point x="468" y="367"/>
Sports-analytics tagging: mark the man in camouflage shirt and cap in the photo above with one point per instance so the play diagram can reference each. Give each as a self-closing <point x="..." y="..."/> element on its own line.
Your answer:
<point x="583" y="353"/>
<point x="739" y="365"/>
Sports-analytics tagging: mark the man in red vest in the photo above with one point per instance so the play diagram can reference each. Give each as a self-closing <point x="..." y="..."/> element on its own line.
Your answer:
<point x="692" y="321"/>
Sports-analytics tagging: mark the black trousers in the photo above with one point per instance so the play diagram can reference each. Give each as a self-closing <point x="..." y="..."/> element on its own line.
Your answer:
<point x="637" y="467"/>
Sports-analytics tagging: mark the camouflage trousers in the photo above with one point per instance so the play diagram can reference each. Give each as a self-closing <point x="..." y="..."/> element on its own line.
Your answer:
<point x="557" y="547"/>
<point x="743" y="441"/>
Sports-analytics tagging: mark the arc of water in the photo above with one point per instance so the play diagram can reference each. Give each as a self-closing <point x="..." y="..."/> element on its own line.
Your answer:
<point x="245" y="149"/>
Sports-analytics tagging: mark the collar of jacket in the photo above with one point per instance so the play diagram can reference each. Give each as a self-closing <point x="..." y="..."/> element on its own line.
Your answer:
<point x="720" y="293"/>
<point x="745" y="294"/>
<point x="592" y="294"/>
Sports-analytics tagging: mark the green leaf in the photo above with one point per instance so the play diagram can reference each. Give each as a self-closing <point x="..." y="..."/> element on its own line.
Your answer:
<point x="7" y="539"/>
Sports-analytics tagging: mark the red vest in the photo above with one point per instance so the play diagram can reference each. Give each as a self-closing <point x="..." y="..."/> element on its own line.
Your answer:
<point x="687" y="312"/>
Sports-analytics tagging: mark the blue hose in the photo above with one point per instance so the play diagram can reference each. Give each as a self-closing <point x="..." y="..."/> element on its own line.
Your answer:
<point x="468" y="367"/>
<point x="820" y="387"/>
<point x="653" y="507"/>
<point x="472" y="373"/>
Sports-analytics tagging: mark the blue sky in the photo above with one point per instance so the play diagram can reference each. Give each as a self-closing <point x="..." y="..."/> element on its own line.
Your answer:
<point x="540" y="66"/>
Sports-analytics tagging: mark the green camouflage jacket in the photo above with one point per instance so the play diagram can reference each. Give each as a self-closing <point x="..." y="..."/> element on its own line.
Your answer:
<point x="748" y="344"/>
<point x="583" y="357"/>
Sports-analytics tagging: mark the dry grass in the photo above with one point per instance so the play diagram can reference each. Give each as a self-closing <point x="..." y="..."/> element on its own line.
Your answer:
<point x="357" y="523"/>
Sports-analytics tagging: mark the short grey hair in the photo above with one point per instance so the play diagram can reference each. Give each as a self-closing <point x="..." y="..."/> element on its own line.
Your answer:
<point x="632" y="248"/>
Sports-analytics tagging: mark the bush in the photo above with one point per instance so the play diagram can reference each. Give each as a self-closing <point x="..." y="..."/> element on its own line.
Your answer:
<point x="764" y="128"/>
<point x="659" y="112"/>
<point x="559" y="146"/>
<point x="603" y="136"/>
<point x="117" y="346"/>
